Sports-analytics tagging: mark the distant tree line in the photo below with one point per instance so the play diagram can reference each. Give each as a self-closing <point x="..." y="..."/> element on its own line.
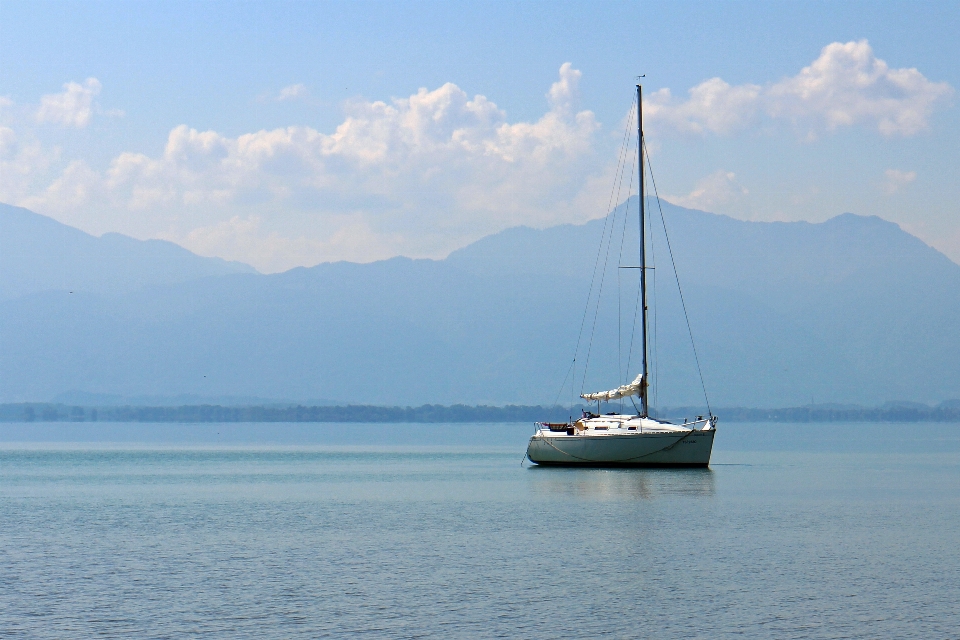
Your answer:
<point x="39" y="412"/>
<point x="946" y="412"/>
<point x="46" y="412"/>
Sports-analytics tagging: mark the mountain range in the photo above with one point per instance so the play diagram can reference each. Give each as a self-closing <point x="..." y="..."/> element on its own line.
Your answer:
<point x="851" y="310"/>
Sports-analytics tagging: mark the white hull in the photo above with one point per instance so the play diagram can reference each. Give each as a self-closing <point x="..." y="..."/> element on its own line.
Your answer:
<point x="648" y="443"/>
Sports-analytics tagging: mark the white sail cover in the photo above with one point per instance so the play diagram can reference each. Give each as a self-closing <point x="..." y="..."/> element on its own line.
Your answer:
<point x="632" y="389"/>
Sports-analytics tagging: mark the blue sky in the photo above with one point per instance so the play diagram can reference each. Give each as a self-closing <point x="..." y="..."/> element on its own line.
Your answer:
<point x="287" y="134"/>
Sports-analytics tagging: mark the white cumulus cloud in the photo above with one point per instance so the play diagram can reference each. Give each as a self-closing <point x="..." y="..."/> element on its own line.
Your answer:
<point x="418" y="175"/>
<point x="292" y="92"/>
<point x="716" y="191"/>
<point x="713" y="106"/>
<point x="846" y="85"/>
<point x="895" y="180"/>
<point x="849" y="85"/>
<point x="24" y="163"/>
<point x="71" y="108"/>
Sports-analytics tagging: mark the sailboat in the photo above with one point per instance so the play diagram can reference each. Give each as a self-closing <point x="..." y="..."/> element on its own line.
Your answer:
<point x="617" y="439"/>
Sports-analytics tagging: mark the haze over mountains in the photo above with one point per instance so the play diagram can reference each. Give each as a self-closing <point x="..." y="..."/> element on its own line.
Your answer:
<point x="853" y="310"/>
<point x="38" y="253"/>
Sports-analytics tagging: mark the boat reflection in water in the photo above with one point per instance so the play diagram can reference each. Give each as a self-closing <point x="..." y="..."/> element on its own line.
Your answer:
<point x="622" y="483"/>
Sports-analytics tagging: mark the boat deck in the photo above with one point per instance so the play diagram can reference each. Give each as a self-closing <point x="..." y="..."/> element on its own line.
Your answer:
<point x="620" y="425"/>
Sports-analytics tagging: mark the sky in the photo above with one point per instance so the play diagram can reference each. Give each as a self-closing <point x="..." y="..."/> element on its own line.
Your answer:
<point x="288" y="134"/>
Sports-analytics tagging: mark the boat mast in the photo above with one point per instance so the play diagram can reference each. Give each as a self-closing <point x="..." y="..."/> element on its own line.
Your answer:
<point x="644" y="406"/>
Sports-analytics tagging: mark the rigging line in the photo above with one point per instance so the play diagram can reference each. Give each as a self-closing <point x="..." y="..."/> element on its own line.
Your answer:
<point x="620" y="316"/>
<point x="636" y="305"/>
<point x="625" y="375"/>
<point x="563" y="384"/>
<point x="593" y="277"/>
<point x="683" y="304"/>
<point x="633" y="331"/>
<point x="620" y="324"/>
<point x="656" y="355"/>
<point x="596" y="311"/>
<point x="606" y="261"/>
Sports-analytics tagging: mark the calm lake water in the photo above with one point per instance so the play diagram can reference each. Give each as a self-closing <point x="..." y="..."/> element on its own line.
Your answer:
<point x="437" y="531"/>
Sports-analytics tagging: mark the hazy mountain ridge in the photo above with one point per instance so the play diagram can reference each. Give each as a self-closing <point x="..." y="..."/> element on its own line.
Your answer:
<point x="293" y="412"/>
<point x="852" y="310"/>
<point x="38" y="254"/>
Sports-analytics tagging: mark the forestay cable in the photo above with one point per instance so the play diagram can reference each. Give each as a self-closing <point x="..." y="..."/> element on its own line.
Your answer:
<point x="677" y="276"/>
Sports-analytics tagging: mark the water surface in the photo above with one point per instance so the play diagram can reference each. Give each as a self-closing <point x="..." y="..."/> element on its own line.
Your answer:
<point x="437" y="531"/>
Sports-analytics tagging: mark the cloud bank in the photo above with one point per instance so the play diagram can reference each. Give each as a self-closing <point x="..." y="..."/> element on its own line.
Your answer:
<point x="419" y="175"/>
<point x="847" y="85"/>
<point x="423" y="174"/>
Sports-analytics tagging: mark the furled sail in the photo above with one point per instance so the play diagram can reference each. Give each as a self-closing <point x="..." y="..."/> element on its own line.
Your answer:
<point x="632" y="389"/>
